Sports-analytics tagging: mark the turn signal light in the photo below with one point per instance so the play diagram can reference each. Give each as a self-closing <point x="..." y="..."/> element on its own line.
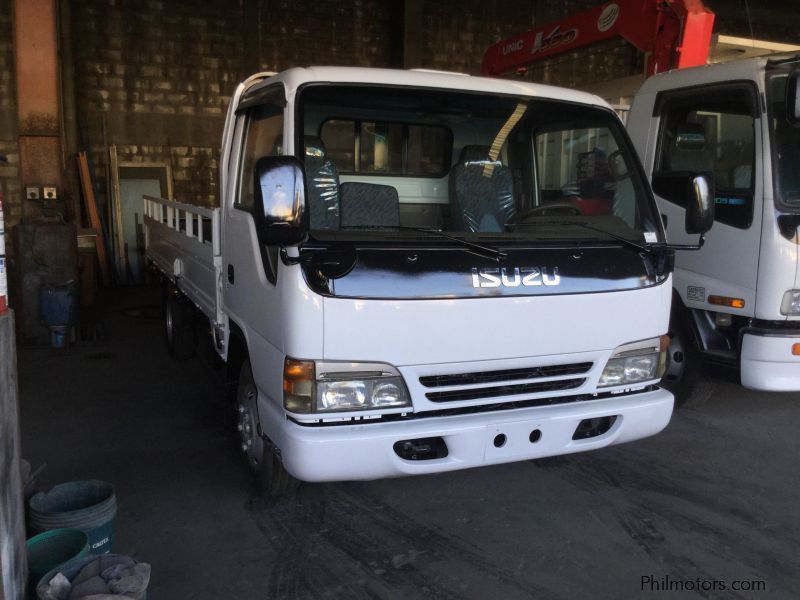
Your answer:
<point x="796" y="349"/>
<point x="726" y="301"/>
<point x="298" y="385"/>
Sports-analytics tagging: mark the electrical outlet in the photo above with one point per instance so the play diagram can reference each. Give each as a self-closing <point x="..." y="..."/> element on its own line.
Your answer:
<point x="32" y="193"/>
<point x="50" y="194"/>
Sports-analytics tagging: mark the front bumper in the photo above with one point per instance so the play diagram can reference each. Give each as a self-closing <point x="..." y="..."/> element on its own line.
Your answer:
<point x="767" y="362"/>
<point x="364" y="452"/>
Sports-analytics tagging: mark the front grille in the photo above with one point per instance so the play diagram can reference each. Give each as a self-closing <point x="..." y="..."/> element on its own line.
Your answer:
<point x="478" y="409"/>
<point x="505" y="390"/>
<point x="505" y="375"/>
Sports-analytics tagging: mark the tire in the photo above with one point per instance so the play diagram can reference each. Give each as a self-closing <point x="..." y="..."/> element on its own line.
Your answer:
<point x="271" y="478"/>
<point x="683" y="359"/>
<point x="178" y="325"/>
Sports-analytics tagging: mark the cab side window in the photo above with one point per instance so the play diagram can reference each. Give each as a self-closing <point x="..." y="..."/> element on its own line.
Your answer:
<point x="263" y="137"/>
<point x="711" y="132"/>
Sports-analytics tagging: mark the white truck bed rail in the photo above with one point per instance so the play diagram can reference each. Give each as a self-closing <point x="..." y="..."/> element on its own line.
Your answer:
<point x="183" y="242"/>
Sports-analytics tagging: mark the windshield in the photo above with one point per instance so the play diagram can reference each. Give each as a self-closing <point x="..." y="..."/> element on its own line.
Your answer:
<point x="785" y="145"/>
<point x="406" y="162"/>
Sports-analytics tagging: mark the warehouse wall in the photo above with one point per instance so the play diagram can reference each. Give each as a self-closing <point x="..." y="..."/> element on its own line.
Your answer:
<point x="9" y="146"/>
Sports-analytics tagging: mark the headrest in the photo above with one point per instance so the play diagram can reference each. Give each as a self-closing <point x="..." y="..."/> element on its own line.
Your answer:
<point x="475" y="154"/>
<point x="314" y="149"/>
<point x="369" y="205"/>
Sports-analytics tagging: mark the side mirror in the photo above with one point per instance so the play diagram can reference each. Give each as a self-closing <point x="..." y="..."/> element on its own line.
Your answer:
<point x="699" y="205"/>
<point x="793" y="99"/>
<point x="280" y="201"/>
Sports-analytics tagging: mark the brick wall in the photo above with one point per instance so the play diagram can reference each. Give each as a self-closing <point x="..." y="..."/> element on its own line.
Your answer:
<point x="777" y="20"/>
<point x="365" y="33"/>
<point x="9" y="147"/>
<point x="154" y="78"/>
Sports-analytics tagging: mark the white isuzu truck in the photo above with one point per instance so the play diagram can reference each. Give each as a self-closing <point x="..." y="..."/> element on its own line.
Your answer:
<point x="414" y="272"/>
<point x="737" y="300"/>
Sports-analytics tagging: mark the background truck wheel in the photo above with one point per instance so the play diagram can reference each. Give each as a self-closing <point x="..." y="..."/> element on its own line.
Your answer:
<point x="271" y="477"/>
<point x="683" y="366"/>
<point x="178" y="324"/>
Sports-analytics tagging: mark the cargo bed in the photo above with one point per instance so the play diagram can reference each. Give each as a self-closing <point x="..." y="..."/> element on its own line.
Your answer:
<point x="183" y="242"/>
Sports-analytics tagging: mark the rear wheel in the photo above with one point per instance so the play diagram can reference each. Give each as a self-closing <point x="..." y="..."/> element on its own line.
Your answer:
<point x="271" y="476"/>
<point x="683" y="366"/>
<point x="178" y="324"/>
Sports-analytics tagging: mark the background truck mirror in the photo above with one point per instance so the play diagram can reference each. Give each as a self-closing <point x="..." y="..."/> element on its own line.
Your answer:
<point x="793" y="99"/>
<point x="699" y="204"/>
<point x="280" y="201"/>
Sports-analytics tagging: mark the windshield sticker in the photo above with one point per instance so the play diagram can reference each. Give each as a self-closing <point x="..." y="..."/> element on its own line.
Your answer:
<point x="650" y="237"/>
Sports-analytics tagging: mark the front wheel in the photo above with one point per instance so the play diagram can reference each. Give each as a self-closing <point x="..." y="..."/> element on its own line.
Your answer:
<point x="683" y="366"/>
<point x="271" y="476"/>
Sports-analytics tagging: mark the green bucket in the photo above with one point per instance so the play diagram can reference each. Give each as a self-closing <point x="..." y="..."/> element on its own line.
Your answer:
<point x="52" y="548"/>
<point x="86" y="505"/>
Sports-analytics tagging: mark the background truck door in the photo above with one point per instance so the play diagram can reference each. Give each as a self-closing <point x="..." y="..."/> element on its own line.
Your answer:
<point x="714" y="130"/>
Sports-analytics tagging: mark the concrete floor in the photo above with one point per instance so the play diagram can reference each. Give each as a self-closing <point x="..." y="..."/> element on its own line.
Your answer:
<point x="715" y="497"/>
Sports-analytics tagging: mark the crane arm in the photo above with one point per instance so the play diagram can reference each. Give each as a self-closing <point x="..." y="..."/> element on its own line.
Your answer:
<point x="674" y="33"/>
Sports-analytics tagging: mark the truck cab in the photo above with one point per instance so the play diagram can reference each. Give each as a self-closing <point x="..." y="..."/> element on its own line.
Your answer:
<point x="416" y="272"/>
<point x="737" y="299"/>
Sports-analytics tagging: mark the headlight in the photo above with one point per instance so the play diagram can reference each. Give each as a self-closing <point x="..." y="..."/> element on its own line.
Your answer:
<point x="634" y="363"/>
<point x="791" y="303"/>
<point x="338" y="386"/>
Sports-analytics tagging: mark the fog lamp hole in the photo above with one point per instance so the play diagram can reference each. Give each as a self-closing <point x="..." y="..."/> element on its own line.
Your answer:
<point x="421" y="449"/>
<point x="590" y="428"/>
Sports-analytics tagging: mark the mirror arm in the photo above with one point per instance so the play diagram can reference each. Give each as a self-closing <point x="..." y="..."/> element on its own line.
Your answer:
<point x="289" y="260"/>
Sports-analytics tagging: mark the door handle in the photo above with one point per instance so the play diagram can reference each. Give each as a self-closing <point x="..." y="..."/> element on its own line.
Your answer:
<point x="230" y="274"/>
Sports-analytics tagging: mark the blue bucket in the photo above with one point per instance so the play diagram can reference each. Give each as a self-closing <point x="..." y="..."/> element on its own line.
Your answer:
<point x="86" y="505"/>
<point x="56" y="304"/>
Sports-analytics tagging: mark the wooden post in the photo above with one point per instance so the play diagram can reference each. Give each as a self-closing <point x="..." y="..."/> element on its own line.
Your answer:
<point x="94" y="217"/>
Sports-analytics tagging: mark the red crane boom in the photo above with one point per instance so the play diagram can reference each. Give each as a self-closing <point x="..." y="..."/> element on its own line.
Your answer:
<point x="674" y="34"/>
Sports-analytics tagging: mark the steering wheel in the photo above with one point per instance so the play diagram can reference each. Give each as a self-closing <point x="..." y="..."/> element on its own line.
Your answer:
<point x="546" y="210"/>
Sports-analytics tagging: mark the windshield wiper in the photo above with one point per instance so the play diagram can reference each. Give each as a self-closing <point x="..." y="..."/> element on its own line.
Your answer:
<point x="630" y="243"/>
<point x="479" y="249"/>
<point x="649" y="249"/>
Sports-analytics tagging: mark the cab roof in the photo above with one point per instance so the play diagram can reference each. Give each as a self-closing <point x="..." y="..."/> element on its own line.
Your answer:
<point x="295" y="78"/>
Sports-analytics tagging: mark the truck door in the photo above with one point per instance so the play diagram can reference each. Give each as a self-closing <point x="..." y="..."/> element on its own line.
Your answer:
<point x="250" y="270"/>
<point x="714" y="130"/>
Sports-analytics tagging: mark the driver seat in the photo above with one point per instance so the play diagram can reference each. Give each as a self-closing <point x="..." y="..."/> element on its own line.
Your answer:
<point x="481" y="192"/>
<point x="323" y="185"/>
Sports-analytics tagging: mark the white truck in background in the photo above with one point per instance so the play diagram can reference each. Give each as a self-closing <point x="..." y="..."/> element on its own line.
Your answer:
<point x="737" y="300"/>
<point x="415" y="272"/>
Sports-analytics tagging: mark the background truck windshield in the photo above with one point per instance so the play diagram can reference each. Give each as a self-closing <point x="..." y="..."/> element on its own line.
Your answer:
<point x="786" y="146"/>
<point x="388" y="161"/>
